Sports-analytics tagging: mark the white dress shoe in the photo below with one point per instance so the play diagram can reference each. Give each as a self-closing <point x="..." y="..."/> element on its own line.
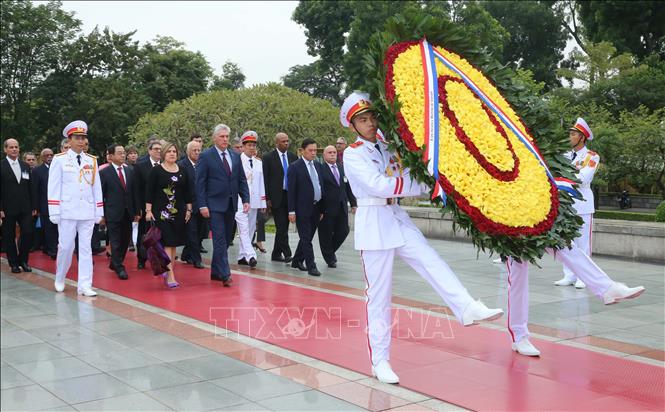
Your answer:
<point x="579" y="284"/>
<point x="384" y="373"/>
<point x="477" y="312"/>
<point x="88" y="292"/>
<point x="526" y="348"/>
<point x="564" y="282"/>
<point x="59" y="286"/>
<point x="618" y="292"/>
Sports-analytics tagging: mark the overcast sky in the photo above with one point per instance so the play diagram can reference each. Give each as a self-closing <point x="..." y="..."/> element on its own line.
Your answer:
<point x="259" y="36"/>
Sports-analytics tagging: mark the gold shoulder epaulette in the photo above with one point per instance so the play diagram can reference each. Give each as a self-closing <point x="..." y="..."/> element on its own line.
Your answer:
<point x="93" y="156"/>
<point x="356" y="144"/>
<point x="61" y="154"/>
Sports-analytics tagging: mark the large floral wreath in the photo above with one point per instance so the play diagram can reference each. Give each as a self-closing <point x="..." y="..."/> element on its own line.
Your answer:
<point x="499" y="175"/>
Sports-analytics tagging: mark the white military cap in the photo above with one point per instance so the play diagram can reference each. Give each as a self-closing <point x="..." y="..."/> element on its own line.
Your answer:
<point x="581" y="126"/>
<point x="249" y="136"/>
<point x="77" y="126"/>
<point x="356" y="103"/>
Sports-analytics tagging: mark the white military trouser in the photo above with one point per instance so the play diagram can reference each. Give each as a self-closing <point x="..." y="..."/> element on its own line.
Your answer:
<point x="378" y="267"/>
<point x="583" y="241"/>
<point x="518" y="285"/>
<point x="67" y="230"/>
<point x="246" y="228"/>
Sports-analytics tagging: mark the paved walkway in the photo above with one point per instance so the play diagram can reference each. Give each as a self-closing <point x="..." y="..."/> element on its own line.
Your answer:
<point x="111" y="353"/>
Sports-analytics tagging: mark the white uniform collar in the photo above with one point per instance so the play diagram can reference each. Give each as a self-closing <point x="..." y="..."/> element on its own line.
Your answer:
<point x="582" y="152"/>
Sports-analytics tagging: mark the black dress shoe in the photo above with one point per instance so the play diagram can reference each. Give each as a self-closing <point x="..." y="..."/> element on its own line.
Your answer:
<point x="298" y="265"/>
<point x="25" y="267"/>
<point x="16" y="269"/>
<point x="243" y="262"/>
<point x="122" y="275"/>
<point x="332" y="265"/>
<point x="288" y="259"/>
<point x="199" y="265"/>
<point x="227" y="282"/>
<point x="132" y="249"/>
<point x="277" y="259"/>
<point x="140" y="265"/>
<point x="314" y="272"/>
<point x="252" y="262"/>
<point x="53" y="257"/>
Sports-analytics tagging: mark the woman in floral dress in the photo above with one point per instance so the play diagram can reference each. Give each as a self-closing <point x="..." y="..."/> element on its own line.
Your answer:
<point x="169" y="204"/>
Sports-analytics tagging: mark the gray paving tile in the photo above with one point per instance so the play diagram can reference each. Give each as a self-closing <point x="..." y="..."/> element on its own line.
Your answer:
<point x="17" y="338"/>
<point x="29" y="398"/>
<point x="109" y="327"/>
<point x="108" y="360"/>
<point x="153" y="377"/>
<point x="88" y="343"/>
<point x="55" y="333"/>
<point x="42" y="321"/>
<point x="653" y="329"/>
<point x="20" y="310"/>
<point x="243" y="407"/>
<point x="88" y="388"/>
<point x="260" y="385"/>
<point x="55" y="369"/>
<point x="6" y="326"/>
<point x="172" y="351"/>
<point x="308" y="401"/>
<point x="201" y="396"/>
<point x="32" y="353"/>
<point x="133" y="402"/>
<point x="11" y="378"/>
<point x="146" y="337"/>
<point x="213" y="366"/>
<point x="638" y="339"/>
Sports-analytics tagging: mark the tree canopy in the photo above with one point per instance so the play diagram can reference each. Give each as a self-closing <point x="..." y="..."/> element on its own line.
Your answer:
<point x="266" y="109"/>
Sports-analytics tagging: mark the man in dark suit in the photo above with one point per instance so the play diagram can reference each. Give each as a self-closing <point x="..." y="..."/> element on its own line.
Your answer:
<point x="49" y="231"/>
<point x="120" y="206"/>
<point x="275" y="166"/>
<point x="142" y="169"/>
<point x="191" y="253"/>
<point x="17" y="206"/>
<point x="305" y="207"/>
<point x="220" y="179"/>
<point x="334" y="227"/>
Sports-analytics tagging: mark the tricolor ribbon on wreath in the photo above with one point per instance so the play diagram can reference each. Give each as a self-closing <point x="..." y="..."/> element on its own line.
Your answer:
<point x="429" y="55"/>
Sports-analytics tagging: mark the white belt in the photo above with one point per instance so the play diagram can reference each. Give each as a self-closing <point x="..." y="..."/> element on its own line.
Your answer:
<point x="375" y="201"/>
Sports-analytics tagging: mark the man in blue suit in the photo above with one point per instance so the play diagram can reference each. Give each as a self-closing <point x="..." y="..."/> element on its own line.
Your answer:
<point x="220" y="179"/>
<point x="305" y="206"/>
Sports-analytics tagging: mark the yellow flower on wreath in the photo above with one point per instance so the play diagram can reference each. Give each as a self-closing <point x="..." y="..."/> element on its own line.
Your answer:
<point x="524" y="201"/>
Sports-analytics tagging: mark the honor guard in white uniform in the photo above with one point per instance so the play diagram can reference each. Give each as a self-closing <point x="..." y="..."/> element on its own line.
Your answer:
<point x="384" y="230"/>
<point x="586" y="163"/>
<point x="257" y="198"/>
<point x="578" y="267"/>
<point x="75" y="204"/>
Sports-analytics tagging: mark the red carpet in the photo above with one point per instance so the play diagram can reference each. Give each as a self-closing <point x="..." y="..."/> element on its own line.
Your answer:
<point x="471" y="367"/>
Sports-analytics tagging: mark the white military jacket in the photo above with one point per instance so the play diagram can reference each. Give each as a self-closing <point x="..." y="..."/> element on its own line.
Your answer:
<point x="75" y="191"/>
<point x="586" y="163"/>
<point x="254" y="175"/>
<point x="376" y="176"/>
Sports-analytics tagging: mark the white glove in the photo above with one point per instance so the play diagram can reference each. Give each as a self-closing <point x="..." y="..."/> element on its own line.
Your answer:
<point x="55" y="219"/>
<point x="98" y="219"/>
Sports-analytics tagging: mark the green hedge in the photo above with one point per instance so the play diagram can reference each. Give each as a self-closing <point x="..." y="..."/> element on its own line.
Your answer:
<point x="660" y="212"/>
<point x="618" y="215"/>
